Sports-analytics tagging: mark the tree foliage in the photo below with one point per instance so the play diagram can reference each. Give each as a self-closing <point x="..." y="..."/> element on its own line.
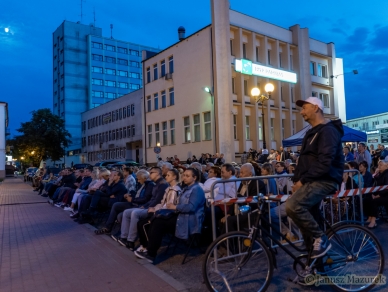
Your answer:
<point x="41" y="138"/>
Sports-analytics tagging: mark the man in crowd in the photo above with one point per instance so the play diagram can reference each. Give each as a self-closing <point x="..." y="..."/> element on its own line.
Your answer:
<point x="318" y="173"/>
<point x="347" y="154"/>
<point x="284" y="154"/>
<point x="363" y="154"/>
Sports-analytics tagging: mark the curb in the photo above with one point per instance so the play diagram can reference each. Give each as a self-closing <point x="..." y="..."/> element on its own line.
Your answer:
<point x="178" y="286"/>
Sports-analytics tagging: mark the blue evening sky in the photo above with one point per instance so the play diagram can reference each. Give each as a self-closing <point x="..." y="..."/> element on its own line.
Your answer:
<point x="358" y="28"/>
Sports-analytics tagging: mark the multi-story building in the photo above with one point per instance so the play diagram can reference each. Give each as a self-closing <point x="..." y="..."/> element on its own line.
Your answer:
<point x="228" y="58"/>
<point x="375" y="126"/>
<point x="3" y="132"/>
<point x="90" y="70"/>
<point x="114" y="130"/>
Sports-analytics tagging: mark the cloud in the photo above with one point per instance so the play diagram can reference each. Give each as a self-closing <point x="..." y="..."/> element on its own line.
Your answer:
<point x="339" y="31"/>
<point x="380" y="39"/>
<point x="356" y="42"/>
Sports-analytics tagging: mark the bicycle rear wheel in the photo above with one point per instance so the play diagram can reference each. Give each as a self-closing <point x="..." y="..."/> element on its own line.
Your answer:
<point x="356" y="260"/>
<point x="223" y="268"/>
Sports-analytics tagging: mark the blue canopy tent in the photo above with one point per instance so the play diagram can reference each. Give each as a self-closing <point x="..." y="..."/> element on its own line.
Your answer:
<point x="350" y="135"/>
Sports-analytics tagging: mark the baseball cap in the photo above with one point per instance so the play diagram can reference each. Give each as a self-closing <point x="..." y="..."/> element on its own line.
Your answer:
<point x="312" y="100"/>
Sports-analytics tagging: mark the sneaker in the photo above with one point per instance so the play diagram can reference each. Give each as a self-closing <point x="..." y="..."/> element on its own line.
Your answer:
<point x="68" y="209"/>
<point x="320" y="247"/>
<point x="58" y="205"/>
<point x="307" y="279"/>
<point x="75" y="215"/>
<point x="114" y="237"/>
<point x="145" y="256"/>
<point x="141" y="249"/>
<point x="130" y="245"/>
<point x="122" y="241"/>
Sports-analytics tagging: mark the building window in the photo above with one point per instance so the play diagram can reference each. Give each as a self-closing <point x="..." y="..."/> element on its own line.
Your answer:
<point x="281" y="92"/>
<point x="156" y="102"/>
<point x="172" y="97"/>
<point x="110" y="48"/>
<point x="96" y="45"/>
<point x="244" y="47"/>
<point x="186" y="124"/>
<point x="164" y="128"/>
<point x="157" y="137"/>
<point x="257" y="54"/>
<point x="325" y="98"/>
<point x="293" y="127"/>
<point x="129" y="131"/>
<point x="132" y="109"/>
<point x="123" y="85"/>
<point x="375" y="123"/>
<point x="207" y="125"/>
<point x="110" y="83"/>
<point x="272" y="129"/>
<point x="110" y="71"/>
<point x="96" y="69"/>
<point x="314" y="93"/>
<point x="117" y="134"/>
<point x="233" y="85"/>
<point x="292" y="94"/>
<point x="155" y="71"/>
<point x="110" y="59"/>
<point x="162" y="68"/>
<point x="171" y="64"/>
<point x="247" y="128"/>
<point x="122" y="62"/>
<point x="322" y="70"/>
<point x="164" y="102"/>
<point x="172" y="131"/>
<point x="124" y="112"/>
<point x="235" y="127"/>
<point x="110" y="95"/>
<point x="97" y="94"/>
<point x="260" y="128"/>
<point x="149" y="107"/>
<point x="124" y="132"/>
<point x="134" y="52"/>
<point x="120" y="113"/>
<point x="113" y="135"/>
<point x="291" y="63"/>
<point x="148" y="75"/>
<point x="197" y="128"/>
<point x="231" y="47"/>
<point x="283" y="133"/>
<point x="134" y="64"/>
<point x="122" y="50"/>
<point x="97" y="81"/>
<point x="96" y="57"/>
<point x="245" y="87"/>
<point x="123" y="73"/>
<point x="312" y="68"/>
<point x="280" y="60"/>
<point x="269" y="57"/>
<point x="133" y="130"/>
<point x="365" y="126"/>
<point x="134" y="75"/>
<point x="134" y="86"/>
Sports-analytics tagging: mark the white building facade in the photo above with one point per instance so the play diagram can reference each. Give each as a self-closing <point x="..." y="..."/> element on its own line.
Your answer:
<point x="375" y="126"/>
<point x="184" y="120"/>
<point x="3" y="127"/>
<point x="113" y="130"/>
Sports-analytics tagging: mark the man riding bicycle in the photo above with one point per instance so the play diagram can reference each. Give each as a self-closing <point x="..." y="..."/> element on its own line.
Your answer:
<point x="318" y="173"/>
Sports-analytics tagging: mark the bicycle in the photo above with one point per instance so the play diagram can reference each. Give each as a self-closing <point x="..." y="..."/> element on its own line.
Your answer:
<point x="244" y="261"/>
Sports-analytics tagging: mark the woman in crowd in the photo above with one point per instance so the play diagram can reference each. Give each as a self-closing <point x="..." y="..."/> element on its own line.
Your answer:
<point x="366" y="175"/>
<point x="214" y="174"/>
<point x="187" y="220"/>
<point x="171" y="196"/>
<point x="354" y="175"/>
<point x="96" y="182"/>
<point x="270" y="183"/>
<point x="372" y="202"/>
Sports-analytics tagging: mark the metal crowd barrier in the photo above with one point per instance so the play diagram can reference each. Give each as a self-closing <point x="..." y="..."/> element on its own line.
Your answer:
<point x="342" y="206"/>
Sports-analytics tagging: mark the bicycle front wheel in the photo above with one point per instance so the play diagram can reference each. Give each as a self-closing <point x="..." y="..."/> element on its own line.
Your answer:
<point x="356" y="260"/>
<point x="227" y="268"/>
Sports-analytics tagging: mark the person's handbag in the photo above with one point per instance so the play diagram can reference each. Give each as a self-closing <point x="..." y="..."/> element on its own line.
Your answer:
<point x="163" y="214"/>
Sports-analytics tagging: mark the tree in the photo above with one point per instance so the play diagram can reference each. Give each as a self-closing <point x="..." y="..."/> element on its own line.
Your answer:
<point x="43" y="137"/>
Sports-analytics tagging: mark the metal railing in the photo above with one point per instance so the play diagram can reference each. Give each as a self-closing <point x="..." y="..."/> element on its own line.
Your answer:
<point x="342" y="206"/>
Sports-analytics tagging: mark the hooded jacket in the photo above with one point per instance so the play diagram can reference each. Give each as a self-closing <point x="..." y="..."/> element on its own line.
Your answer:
<point x="321" y="155"/>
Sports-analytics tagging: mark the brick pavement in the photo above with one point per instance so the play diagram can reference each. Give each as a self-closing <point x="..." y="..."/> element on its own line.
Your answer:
<point x="42" y="249"/>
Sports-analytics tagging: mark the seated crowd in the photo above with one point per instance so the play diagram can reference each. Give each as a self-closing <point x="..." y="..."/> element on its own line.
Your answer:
<point x="175" y="199"/>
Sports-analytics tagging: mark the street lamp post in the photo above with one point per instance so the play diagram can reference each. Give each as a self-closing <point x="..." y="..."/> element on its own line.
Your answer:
<point x="209" y="90"/>
<point x="260" y="98"/>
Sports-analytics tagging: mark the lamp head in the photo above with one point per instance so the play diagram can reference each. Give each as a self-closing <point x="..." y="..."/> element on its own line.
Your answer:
<point x="207" y="89"/>
<point x="255" y="91"/>
<point x="158" y="144"/>
<point x="355" y="72"/>
<point x="269" y="88"/>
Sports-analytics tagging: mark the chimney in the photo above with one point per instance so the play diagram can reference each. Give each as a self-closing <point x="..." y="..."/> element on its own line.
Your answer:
<point x="181" y="33"/>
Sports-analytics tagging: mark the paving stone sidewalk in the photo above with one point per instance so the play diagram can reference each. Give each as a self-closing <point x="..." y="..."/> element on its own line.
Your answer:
<point x="42" y="249"/>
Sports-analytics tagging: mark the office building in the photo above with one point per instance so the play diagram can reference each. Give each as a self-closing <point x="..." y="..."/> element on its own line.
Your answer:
<point x="114" y="130"/>
<point x="90" y="70"/>
<point x="375" y="126"/>
<point x="228" y="58"/>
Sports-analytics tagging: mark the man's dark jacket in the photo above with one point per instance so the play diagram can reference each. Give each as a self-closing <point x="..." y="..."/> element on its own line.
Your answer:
<point x="68" y="180"/>
<point x="321" y="155"/>
<point x="117" y="189"/>
<point x="145" y="195"/>
<point x="157" y="193"/>
<point x="85" y="182"/>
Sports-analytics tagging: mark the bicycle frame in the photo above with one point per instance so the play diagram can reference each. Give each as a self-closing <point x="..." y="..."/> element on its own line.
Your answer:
<point x="257" y="226"/>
